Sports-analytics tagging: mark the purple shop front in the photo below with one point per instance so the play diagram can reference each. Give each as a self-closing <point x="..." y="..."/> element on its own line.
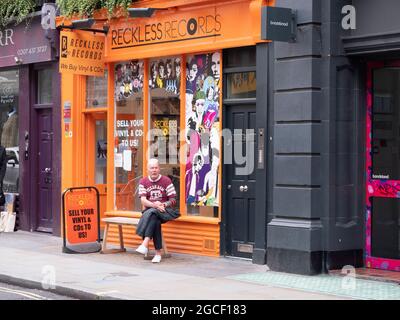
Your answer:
<point x="30" y="97"/>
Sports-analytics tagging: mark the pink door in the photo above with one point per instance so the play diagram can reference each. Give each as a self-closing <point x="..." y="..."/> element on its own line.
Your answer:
<point x="383" y="166"/>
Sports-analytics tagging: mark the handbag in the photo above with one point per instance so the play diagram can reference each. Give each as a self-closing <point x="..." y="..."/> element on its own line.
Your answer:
<point x="7" y="221"/>
<point x="168" y="215"/>
<point x="3" y="220"/>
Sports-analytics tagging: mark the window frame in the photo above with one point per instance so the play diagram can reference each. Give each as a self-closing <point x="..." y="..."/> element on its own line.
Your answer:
<point x="147" y="118"/>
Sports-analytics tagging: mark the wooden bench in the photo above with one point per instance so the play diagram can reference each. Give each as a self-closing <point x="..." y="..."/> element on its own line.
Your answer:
<point x="122" y="221"/>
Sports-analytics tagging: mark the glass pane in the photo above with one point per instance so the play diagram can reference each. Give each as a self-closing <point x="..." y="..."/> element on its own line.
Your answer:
<point x="9" y="88"/>
<point x="240" y="57"/>
<point x="386" y="124"/>
<point x="202" y="132"/>
<point x="44" y="94"/>
<point x="385" y="228"/>
<point x="241" y="85"/>
<point x="128" y="148"/>
<point x="96" y="91"/>
<point x="101" y="152"/>
<point x="164" y="84"/>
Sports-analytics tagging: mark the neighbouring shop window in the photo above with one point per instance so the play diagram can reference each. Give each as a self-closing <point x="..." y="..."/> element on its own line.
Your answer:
<point x="241" y="85"/>
<point x="96" y="91"/>
<point x="9" y="126"/>
<point x="128" y="147"/>
<point x="101" y="152"/>
<point x="202" y="134"/>
<point x="240" y="57"/>
<point x="385" y="124"/>
<point x="164" y="86"/>
<point x="385" y="228"/>
<point x="44" y="87"/>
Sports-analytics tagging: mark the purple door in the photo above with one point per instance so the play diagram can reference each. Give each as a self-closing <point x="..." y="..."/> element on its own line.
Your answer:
<point x="44" y="197"/>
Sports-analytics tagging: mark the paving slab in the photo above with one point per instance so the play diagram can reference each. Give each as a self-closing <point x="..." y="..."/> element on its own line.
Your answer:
<point x="34" y="258"/>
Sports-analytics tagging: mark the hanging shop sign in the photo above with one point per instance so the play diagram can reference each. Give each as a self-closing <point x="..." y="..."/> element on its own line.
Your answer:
<point x="207" y="27"/>
<point x="82" y="53"/>
<point x="81" y="218"/>
<point x="278" y="24"/>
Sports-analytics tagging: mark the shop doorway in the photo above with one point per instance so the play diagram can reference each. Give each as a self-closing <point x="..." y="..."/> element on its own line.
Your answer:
<point x="383" y="166"/>
<point x="240" y="196"/>
<point x="239" y="117"/>
<point x="40" y="145"/>
<point x="96" y="155"/>
<point x="45" y="171"/>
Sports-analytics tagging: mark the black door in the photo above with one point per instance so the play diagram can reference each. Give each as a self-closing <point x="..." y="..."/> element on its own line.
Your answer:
<point x="240" y="188"/>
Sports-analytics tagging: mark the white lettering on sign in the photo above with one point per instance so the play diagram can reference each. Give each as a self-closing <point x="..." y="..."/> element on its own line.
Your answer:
<point x="6" y="37"/>
<point x="280" y="24"/>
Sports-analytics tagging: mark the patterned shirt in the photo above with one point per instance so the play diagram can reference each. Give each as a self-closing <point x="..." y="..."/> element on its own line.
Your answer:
<point x="160" y="189"/>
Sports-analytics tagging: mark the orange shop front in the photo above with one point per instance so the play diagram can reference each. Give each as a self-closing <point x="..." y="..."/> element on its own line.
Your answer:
<point x="163" y="76"/>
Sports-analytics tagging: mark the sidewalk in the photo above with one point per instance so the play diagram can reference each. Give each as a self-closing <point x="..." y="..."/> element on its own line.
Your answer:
<point x="26" y="258"/>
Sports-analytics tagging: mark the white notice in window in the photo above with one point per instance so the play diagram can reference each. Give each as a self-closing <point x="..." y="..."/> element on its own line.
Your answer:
<point x="118" y="160"/>
<point x="127" y="155"/>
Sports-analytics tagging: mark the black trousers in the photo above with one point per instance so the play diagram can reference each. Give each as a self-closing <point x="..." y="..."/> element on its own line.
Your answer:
<point x="153" y="230"/>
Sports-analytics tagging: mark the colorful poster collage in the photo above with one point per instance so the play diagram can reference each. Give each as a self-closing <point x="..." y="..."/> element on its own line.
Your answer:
<point x="128" y="80"/>
<point x="203" y="128"/>
<point x="166" y="74"/>
<point x="164" y="84"/>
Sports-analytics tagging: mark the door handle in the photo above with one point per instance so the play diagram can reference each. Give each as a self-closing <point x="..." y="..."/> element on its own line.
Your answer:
<point x="47" y="170"/>
<point x="245" y="188"/>
<point x="241" y="188"/>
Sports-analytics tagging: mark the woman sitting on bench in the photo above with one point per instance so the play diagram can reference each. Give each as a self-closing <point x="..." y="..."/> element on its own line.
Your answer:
<point x="158" y="197"/>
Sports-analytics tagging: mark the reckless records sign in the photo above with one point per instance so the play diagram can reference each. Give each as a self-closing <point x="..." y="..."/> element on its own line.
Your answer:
<point x="82" y="53"/>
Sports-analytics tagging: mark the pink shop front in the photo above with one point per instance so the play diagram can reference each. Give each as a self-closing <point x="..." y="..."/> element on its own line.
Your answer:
<point x="383" y="165"/>
<point x="372" y="51"/>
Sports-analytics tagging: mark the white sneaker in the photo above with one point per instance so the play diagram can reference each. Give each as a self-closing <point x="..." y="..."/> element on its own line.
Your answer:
<point x="156" y="259"/>
<point x="142" y="249"/>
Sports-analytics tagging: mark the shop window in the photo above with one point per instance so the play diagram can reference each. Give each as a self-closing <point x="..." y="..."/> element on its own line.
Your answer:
<point x="9" y="88"/>
<point x="128" y="148"/>
<point x="241" y="85"/>
<point x="44" y="87"/>
<point x="386" y="124"/>
<point x="385" y="228"/>
<point x="202" y="134"/>
<point x="96" y="91"/>
<point x="239" y="57"/>
<point x="164" y="87"/>
<point x="201" y="179"/>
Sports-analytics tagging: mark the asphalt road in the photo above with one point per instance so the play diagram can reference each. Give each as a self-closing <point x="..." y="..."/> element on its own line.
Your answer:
<point x="8" y="292"/>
